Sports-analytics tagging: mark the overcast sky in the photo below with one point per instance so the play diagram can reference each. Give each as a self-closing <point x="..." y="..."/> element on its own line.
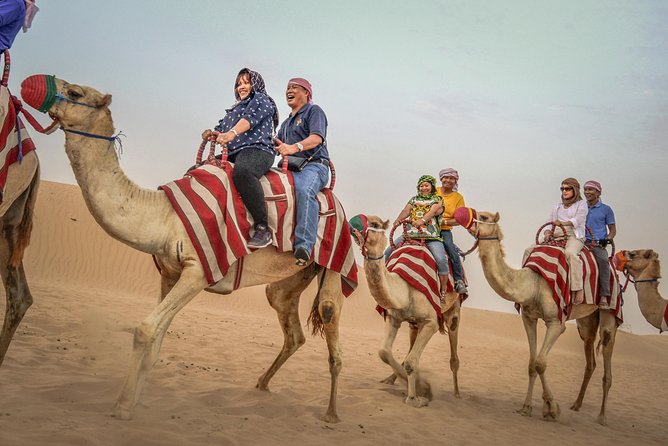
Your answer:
<point x="516" y="95"/>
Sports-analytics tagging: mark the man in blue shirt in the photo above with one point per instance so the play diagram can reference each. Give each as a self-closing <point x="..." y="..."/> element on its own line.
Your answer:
<point x="12" y="17"/>
<point x="601" y="222"/>
<point x="304" y="134"/>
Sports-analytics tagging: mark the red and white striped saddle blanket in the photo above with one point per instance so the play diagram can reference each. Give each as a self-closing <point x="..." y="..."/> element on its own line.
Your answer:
<point x="664" y="322"/>
<point x="416" y="265"/>
<point x="550" y="262"/>
<point x="218" y="224"/>
<point x="9" y="137"/>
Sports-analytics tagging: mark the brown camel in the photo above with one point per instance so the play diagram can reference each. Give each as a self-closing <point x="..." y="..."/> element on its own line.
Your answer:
<point x="16" y="213"/>
<point x="534" y="296"/>
<point x="643" y="265"/>
<point x="404" y="303"/>
<point x="145" y="220"/>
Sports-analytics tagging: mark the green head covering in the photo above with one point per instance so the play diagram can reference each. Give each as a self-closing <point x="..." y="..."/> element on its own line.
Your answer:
<point x="431" y="180"/>
<point x="358" y="222"/>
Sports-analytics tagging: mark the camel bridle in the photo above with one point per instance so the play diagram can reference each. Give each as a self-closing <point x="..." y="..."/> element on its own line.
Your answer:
<point x="365" y="235"/>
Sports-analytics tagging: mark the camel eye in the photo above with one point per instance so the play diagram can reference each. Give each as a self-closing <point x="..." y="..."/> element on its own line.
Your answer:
<point x="73" y="94"/>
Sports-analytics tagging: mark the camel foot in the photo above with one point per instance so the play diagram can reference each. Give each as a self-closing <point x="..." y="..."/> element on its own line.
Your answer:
<point x="457" y="395"/>
<point x="576" y="407"/>
<point x="390" y="379"/>
<point x="525" y="411"/>
<point x="551" y="411"/>
<point x="330" y="418"/>
<point x="423" y="389"/>
<point x="417" y="401"/>
<point x="602" y="420"/>
<point x="262" y="386"/>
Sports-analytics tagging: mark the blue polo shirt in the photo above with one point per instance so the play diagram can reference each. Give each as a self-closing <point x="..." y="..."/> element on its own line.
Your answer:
<point x="309" y="120"/>
<point x="598" y="218"/>
<point x="258" y="110"/>
<point x="12" y="15"/>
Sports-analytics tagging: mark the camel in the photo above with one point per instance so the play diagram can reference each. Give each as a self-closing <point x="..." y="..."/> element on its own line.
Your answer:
<point x="406" y="304"/>
<point x="144" y="220"/>
<point x="534" y="296"/>
<point x="643" y="265"/>
<point x="17" y="203"/>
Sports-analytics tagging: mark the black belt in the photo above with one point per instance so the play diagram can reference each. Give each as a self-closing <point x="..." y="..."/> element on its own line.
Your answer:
<point x="320" y="161"/>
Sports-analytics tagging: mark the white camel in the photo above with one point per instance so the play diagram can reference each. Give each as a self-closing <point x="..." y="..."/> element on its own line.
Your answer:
<point x="403" y="303"/>
<point x="145" y="220"/>
<point x="534" y="295"/>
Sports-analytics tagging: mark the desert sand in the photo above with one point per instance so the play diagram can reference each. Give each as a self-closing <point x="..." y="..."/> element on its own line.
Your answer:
<point x="69" y="357"/>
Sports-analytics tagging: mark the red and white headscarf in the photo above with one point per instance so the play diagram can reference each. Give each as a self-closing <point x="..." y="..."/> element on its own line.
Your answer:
<point x="449" y="172"/>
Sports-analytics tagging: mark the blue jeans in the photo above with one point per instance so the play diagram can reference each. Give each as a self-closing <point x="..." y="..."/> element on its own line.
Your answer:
<point x="437" y="251"/>
<point x="449" y="245"/>
<point x="308" y="183"/>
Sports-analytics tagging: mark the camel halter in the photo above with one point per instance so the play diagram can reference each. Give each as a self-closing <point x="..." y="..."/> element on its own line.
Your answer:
<point x="366" y="235"/>
<point x="477" y="238"/>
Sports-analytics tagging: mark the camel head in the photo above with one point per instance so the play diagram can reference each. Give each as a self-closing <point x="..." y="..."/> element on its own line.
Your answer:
<point x="485" y="226"/>
<point x="368" y="231"/>
<point x="641" y="263"/>
<point x="74" y="106"/>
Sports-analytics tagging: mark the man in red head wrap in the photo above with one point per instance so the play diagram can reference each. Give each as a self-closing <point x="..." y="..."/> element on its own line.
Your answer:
<point x="303" y="134"/>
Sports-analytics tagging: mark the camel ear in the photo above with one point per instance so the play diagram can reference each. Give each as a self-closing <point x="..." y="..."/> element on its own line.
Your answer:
<point x="105" y="101"/>
<point x="497" y="217"/>
<point x="386" y="224"/>
<point x="650" y="254"/>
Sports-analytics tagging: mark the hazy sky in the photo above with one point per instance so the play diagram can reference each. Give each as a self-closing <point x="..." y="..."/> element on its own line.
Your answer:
<point x="516" y="95"/>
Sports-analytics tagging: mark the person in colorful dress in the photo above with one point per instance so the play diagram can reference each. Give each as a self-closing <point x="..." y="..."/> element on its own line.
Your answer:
<point x="424" y="212"/>
<point x="248" y="129"/>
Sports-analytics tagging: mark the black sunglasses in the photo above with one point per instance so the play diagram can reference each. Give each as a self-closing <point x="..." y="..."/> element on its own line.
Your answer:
<point x="565" y="188"/>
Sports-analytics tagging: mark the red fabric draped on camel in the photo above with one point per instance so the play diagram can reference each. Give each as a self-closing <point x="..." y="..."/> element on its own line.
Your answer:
<point x="218" y="224"/>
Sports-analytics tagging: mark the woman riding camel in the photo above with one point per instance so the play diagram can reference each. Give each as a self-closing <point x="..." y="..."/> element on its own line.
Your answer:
<point x="247" y="129"/>
<point x="571" y="214"/>
<point x="424" y="212"/>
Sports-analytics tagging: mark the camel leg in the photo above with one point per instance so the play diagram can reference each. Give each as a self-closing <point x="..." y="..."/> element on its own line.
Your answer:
<point x="412" y="361"/>
<point x="283" y="296"/>
<point x="530" y="329"/>
<point x="17" y="292"/>
<point x="608" y="333"/>
<point x="331" y="303"/>
<point x="452" y="321"/>
<point x="385" y="353"/>
<point x="587" y="328"/>
<point x="551" y="409"/>
<point x="148" y="337"/>
<point x="412" y="334"/>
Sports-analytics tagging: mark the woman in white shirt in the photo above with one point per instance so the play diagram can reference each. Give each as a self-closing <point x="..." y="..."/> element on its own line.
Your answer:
<point x="571" y="214"/>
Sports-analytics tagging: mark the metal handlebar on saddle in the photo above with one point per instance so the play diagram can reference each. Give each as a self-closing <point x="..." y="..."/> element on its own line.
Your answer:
<point x="404" y="238"/>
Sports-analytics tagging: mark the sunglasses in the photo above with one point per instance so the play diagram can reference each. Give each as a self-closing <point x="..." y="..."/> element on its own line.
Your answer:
<point x="565" y="188"/>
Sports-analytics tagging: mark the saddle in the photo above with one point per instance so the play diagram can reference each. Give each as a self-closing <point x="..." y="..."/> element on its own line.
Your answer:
<point x="218" y="223"/>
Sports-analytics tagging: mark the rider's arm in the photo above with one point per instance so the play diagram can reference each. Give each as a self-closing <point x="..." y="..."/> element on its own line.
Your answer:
<point x="405" y="212"/>
<point x="612" y="231"/>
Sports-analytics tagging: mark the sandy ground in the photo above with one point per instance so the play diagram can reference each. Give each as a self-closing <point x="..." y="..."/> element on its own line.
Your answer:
<point x="70" y="355"/>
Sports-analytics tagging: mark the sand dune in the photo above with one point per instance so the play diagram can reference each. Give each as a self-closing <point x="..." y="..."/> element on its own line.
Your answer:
<point x="69" y="357"/>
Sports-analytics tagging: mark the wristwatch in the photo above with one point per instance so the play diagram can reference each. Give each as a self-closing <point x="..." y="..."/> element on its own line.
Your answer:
<point x="300" y="146"/>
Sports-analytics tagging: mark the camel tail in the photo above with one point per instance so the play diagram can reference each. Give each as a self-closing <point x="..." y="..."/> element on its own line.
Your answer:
<point x="24" y="228"/>
<point x="314" y="318"/>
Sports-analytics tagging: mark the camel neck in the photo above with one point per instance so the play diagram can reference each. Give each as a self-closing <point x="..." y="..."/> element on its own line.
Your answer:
<point x="378" y="279"/>
<point x="502" y="278"/>
<point x="652" y="305"/>
<point x="116" y="203"/>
